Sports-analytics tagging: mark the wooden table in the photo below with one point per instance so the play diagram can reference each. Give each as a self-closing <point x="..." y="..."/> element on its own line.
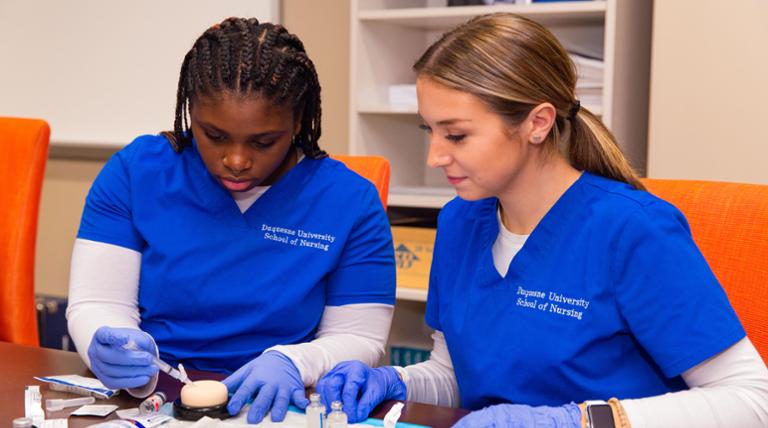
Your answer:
<point x="21" y="363"/>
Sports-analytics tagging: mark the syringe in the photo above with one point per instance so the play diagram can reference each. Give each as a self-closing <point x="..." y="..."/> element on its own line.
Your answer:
<point x="180" y="374"/>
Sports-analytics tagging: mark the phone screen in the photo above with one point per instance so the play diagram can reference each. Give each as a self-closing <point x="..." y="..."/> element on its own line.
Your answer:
<point x="601" y="416"/>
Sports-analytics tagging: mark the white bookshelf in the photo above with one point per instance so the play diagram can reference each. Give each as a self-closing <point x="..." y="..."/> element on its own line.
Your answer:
<point x="388" y="36"/>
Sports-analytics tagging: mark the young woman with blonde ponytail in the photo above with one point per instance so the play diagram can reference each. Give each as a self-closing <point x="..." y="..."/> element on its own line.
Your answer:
<point x="556" y="279"/>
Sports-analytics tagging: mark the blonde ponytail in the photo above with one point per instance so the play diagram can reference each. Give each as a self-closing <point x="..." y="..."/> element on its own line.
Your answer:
<point x="592" y="147"/>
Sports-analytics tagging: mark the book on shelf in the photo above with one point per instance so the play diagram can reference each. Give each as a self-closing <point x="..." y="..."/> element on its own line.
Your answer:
<point x="590" y="69"/>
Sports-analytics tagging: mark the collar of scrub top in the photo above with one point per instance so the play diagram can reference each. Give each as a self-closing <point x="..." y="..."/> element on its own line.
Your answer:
<point x="536" y="247"/>
<point x="223" y="205"/>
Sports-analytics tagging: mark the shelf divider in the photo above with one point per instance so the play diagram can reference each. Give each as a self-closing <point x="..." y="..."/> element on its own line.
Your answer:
<point x="412" y="294"/>
<point x="555" y="13"/>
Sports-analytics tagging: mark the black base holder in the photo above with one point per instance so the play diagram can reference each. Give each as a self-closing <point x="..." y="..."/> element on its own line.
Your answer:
<point x="186" y="413"/>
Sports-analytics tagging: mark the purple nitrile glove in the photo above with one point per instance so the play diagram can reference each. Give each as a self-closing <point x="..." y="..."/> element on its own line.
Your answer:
<point x="274" y="380"/>
<point x="522" y="416"/>
<point x="118" y="367"/>
<point x="360" y="388"/>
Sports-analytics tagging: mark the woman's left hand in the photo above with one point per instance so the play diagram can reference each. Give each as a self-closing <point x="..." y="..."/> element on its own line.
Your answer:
<point x="521" y="416"/>
<point x="275" y="382"/>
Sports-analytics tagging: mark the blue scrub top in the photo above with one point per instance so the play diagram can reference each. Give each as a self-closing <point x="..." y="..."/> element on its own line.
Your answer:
<point x="218" y="286"/>
<point x="609" y="297"/>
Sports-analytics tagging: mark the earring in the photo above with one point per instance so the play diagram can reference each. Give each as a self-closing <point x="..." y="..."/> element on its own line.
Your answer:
<point x="536" y="139"/>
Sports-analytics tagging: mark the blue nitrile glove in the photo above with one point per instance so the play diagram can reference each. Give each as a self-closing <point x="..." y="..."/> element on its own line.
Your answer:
<point x="117" y="367"/>
<point x="521" y="416"/>
<point x="360" y="388"/>
<point x="275" y="382"/>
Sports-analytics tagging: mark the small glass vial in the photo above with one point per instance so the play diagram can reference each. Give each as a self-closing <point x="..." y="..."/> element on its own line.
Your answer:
<point x="337" y="418"/>
<point x="315" y="412"/>
<point x="152" y="404"/>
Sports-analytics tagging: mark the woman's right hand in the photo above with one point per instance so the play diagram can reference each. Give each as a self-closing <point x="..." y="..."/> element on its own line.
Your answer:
<point x="118" y="367"/>
<point x="352" y="379"/>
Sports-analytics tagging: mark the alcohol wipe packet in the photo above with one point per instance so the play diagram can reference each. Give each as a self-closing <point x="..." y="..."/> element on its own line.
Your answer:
<point x="80" y="385"/>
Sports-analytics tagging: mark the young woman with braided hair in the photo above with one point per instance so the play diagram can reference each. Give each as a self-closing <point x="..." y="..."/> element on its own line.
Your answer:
<point x="223" y="244"/>
<point x="555" y="278"/>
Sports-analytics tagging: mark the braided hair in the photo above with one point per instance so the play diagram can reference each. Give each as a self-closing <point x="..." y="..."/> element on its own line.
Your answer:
<point x="248" y="57"/>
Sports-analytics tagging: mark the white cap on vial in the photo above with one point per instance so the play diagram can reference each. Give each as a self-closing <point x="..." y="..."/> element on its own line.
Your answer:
<point x="22" y="423"/>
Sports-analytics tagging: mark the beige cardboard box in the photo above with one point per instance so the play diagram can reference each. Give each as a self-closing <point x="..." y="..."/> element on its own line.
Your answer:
<point x="413" y="255"/>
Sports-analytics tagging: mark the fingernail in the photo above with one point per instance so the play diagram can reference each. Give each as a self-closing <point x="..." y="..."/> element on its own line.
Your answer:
<point x="234" y="407"/>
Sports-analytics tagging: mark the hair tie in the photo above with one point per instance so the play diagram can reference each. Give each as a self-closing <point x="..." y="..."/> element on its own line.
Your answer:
<point x="574" y="110"/>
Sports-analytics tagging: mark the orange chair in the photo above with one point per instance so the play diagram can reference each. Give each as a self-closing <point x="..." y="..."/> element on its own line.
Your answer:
<point x="23" y="152"/>
<point x="374" y="168"/>
<point x="729" y="222"/>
